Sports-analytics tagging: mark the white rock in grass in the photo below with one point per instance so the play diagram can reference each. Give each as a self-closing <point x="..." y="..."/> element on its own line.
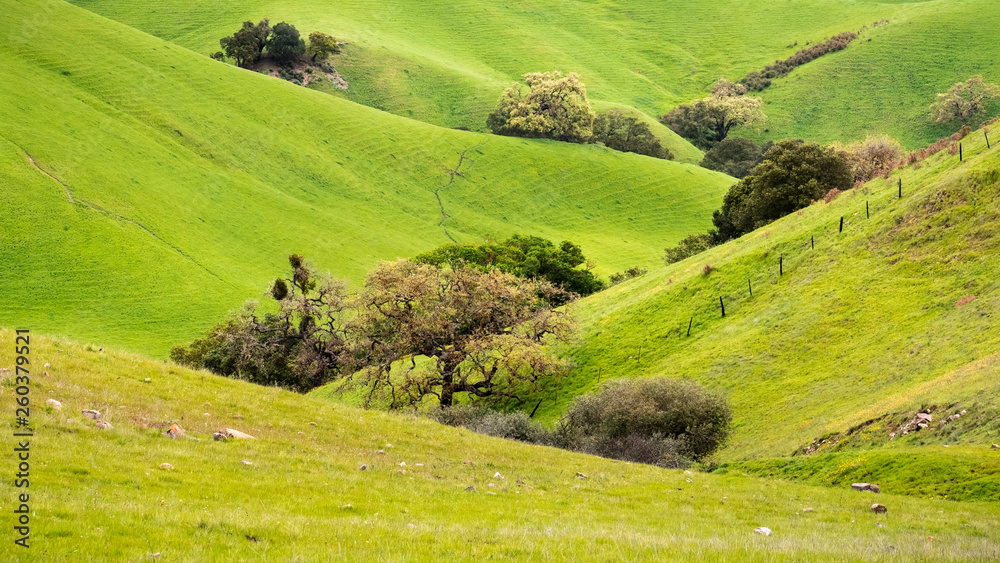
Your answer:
<point x="54" y="404"/>
<point x="166" y="466"/>
<point x="497" y="475"/>
<point x="245" y="462"/>
<point x="91" y="414"/>
<point x="103" y="425"/>
<point x="764" y="531"/>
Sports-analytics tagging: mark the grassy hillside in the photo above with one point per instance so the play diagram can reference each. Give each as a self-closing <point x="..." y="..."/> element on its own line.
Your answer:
<point x="296" y="492"/>
<point x="895" y="313"/>
<point x="152" y="189"/>
<point x="887" y="84"/>
<point x="446" y="63"/>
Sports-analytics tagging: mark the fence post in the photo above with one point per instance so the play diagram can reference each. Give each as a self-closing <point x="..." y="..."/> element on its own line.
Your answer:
<point x="868" y="214"/>
<point x="985" y="134"/>
<point x="812" y="241"/>
<point x="689" y="325"/>
<point x="750" y="286"/>
<point x="900" y="188"/>
<point x="781" y="265"/>
<point x="960" y="152"/>
<point x="841" y="223"/>
<point x="723" y="305"/>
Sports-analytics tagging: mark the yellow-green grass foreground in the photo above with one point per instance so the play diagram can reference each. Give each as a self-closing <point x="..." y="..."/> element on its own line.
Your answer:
<point x="100" y="495"/>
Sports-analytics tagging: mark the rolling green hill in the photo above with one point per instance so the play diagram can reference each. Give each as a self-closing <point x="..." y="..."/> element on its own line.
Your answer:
<point x="297" y="491"/>
<point x="447" y="62"/>
<point x="151" y="189"/>
<point x="894" y="314"/>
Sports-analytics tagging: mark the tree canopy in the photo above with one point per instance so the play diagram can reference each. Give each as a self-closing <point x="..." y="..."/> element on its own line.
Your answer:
<point x="428" y="331"/>
<point x="527" y="257"/>
<point x="322" y="45"/>
<point x="792" y="176"/>
<point x="554" y="107"/>
<point x="708" y="121"/>
<point x="285" y="45"/>
<point x="735" y="156"/>
<point x="964" y="100"/>
<point x="627" y="133"/>
<point x="246" y="45"/>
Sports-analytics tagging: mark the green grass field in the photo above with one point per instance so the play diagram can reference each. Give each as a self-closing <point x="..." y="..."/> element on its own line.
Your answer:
<point x="193" y="180"/>
<point x="101" y="495"/>
<point x="446" y="63"/>
<point x="867" y="324"/>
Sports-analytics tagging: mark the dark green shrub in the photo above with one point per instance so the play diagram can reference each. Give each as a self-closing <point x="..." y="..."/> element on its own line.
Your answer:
<point x="735" y="156"/>
<point x="662" y="418"/>
<point x="515" y="425"/>
<point x="633" y="272"/>
<point x="689" y="246"/>
<point x="628" y="134"/>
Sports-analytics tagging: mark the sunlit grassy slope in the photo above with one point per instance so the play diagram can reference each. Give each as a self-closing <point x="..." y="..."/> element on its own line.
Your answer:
<point x="886" y="85"/>
<point x="191" y="181"/>
<point x="897" y="312"/>
<point x="446" y="62"/>
<point x="297" y="492"/>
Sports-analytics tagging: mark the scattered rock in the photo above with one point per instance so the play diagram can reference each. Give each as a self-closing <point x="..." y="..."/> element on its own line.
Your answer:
<point x="347" y="507"/>
<point x="312" y="424"/>
<point x="520" y="482"/>
<point x="92" y="414"/>
<point x="166" y="466"/>
<point x="470" y="489"/>
<point x="491" y="485"/>
<point x="467" y="462"/>
<point x="245" y="462"/>
<point x="995" y="447"/>
<point x="418" y="464"/>
<point x="236" y="434"/>
<point x="103" y="425"/>
<point x="687" y="472"/>
<point x="411" y="526"/>
<point x="497" y="475"/>
<point x="490" y="493"/>
<point x="879" y="508"/>
<point x="807" y="509"/>
<point x="47" y="365"/>
<point x="388" y="445"/>
<point x="381" y="452"/>
<point x="402" y="464"/>
<point x="54" y="404"/>
<point x="866" y="487"/>
<point x="581" y="476"/>
<point x="206" y="414"/>
<point x="763" y="530"/>
<point x="147" y="380"/>
<point x="401" y="471"/>
<point x="70" y="420"/>
<point x="363" y="467"/>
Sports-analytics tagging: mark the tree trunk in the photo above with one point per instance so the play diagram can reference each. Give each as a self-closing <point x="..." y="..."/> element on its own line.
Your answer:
<point x="447" y="389"/>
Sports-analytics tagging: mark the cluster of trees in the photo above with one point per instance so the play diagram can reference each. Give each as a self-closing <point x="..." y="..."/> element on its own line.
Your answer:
<point x="414" y="330"/>
<point x="659" y="421"/>
<point x="964" y="100"/>
<point x="792" y="175"/>
<point x="556" y="107"/>
<point x="526" y="257"/>
<point x="758" y="80"/>
<point x="282" y="43"/>
<point x="708" y="121"/>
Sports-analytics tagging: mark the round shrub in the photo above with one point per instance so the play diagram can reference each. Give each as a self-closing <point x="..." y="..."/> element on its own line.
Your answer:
<point x="654" y="420"/>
